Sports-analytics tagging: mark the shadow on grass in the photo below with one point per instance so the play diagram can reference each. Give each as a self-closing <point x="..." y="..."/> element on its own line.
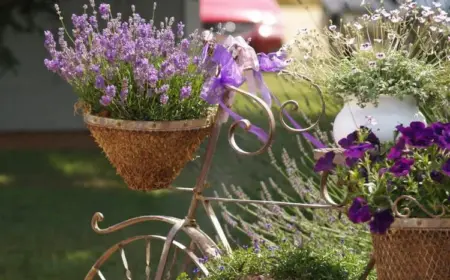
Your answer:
<point x="46" y="203"/>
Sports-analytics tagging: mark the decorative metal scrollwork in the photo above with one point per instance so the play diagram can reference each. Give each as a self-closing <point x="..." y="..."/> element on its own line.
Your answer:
<point x="247" y="125"/>
<point x="407" y="211"/>
<point x="296" y="106"/>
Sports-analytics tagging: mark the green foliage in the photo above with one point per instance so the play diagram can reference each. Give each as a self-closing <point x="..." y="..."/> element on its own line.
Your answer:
<point x="140" y="106"/>
<point x="367" y="75"/>
<point x="283" y="262"/>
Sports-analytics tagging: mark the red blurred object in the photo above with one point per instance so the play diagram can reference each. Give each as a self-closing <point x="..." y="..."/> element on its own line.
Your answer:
<point x="259" y="20"/>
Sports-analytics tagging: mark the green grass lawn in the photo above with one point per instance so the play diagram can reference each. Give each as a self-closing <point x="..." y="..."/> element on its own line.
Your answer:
<point x="47" y="199"/>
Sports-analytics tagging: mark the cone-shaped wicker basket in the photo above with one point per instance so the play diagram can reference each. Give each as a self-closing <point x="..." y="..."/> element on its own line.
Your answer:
<point x="414" y="249"/>
<point x="149" y="155"/>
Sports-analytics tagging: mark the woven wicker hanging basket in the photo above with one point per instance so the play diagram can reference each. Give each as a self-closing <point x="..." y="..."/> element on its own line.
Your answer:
<point x="149" y="155"/>
<point x="414" y="249"/>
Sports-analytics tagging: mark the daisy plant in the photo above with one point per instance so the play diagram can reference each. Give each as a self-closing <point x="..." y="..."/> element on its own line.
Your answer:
<point x="396" y="53"/>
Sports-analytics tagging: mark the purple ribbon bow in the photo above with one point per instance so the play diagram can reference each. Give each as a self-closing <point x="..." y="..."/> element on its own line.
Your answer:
<point x="229" y="73"/>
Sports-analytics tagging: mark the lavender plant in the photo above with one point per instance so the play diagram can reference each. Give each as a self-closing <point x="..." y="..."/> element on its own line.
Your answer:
<point x="129" y="69"/>
<point x="275" y="225"/>
<point x="397" y="53"/>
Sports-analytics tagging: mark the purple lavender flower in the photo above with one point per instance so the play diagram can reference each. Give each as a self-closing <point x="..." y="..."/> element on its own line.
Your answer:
<point x="325" y="163"/>
<point x="100" y="82"/>
<point x="124" y="90"/>
<point x="446" y="168"/>
<point x="396" y="151"/>
<point x="185" y="92"/>
<point x="105" y="100"/>
<point x="185" y="45"/>
<point x="93" y="21"/>
<point x="163" y="89"/>
<point x="79" y="70"/>
<point x="51" y="65"/>
<point x="111" y="90"/>
<point x="95" y="68"/>
<point x="50" y="43"/>
<point x="417" y="134"/>
<point x="359" y="211"/>
<point x="164" y="98"/>
<point x="358" y="151"/>
<point x="180" y="30"/>
<point x="381" y="221"/>
<point x="401" y="167"/>
<point x="104" y="10"/>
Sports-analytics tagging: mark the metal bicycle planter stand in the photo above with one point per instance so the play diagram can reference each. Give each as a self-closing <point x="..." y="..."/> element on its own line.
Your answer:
<point x="199" y="239"/>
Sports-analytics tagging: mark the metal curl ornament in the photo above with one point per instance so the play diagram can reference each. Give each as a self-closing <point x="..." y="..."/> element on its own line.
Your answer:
<point x="296" y="106"/>
<point x="247" y="124"/>
<point x="407" y="210"/>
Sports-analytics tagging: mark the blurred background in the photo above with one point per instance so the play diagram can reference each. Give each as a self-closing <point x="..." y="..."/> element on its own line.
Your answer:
<point x="53" y="178"/>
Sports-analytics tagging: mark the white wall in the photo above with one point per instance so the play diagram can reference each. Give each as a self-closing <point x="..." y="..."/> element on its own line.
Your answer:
<point x="37" y="100"/>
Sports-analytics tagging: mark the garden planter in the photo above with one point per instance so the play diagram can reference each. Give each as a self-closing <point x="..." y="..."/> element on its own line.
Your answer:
<point x="414" y="249"/>
<point x="148" y="155"/>
<point x="382" y="119"/>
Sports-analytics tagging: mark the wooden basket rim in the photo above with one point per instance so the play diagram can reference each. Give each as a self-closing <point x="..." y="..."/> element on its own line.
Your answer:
<point x="181" y="125"/>
<point x="430" y="223"/>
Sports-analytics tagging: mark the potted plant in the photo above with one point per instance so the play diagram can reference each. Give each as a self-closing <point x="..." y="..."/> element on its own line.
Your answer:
<point x="383" y="66"/>
<point x="284" y="261"/>
<point x="139" y="85"/>
<point x="402" y="190"/>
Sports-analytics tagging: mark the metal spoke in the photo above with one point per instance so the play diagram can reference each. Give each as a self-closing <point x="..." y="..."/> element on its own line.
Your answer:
<point x="147" y="259"/>
<point x="125" y="264"/>
<point x="100" y="274"/>
<point x="172" y="263"/>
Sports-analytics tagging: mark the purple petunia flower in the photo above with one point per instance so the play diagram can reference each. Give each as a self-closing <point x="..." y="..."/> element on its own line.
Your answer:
<point x="359" y="211"/>
<point x="185" y="92"/>
<point x="358" y="151"/>
<point x="443" y="140"/>
<point x="104" y="10"/>
<point x="417" y="134"/>
<point x="446" y="167"/>
<point x="105" y="100"/>
<point x="349" y="140"/>
<point x="164" y="98"/>
<point x="437" y="176"/>
<point x="350" y="162"/>
<point x="381" y="221"/>
<point x="396" y="152"/>
<point x="325" y="163"/>
<point x="401" y="167"/>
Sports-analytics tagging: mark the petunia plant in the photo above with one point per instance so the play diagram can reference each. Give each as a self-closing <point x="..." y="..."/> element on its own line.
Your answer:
<point x="133" y="69"/>
<point x="384" y="179"/>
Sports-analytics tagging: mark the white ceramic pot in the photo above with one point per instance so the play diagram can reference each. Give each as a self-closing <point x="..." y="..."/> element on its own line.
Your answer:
<point x="382" y="119"/>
